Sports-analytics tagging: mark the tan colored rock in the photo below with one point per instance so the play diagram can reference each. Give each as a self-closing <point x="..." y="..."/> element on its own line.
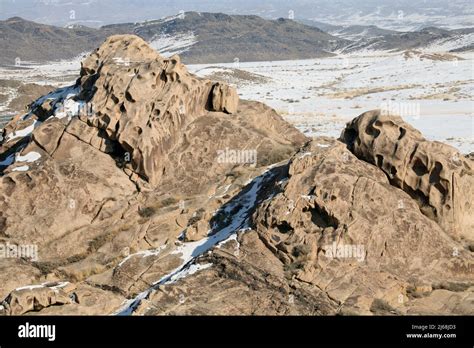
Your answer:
<point x="196" y="231"/>
<point x="440" y="302"/>
<point x="224" y="98"/>
<point x="140" y="151"/>
<point x="35" y="298"/>
<point x="86" y="300"/>
<point x="335" y="198"/>
<point x="24" y="273"/>
<point x="118" y="152"/>
<point x="435" y="175"/>
<point x="330" y="236"/>
<point x="144" y="101"/>
<point x="48" y="135"/>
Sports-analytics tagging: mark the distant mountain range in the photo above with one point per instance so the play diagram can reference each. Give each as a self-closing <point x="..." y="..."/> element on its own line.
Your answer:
<point x="371" y="37"/>
<point x="405" y="15"/>
<point x="217" y="37"/>
<point x="199" y="37"/>
<point x="23" y="40"/>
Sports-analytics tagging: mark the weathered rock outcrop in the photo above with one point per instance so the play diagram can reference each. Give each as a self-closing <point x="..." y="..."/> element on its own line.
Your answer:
<point x="330" y="234"/>
<point x="141" y="102"/>
<point x="146" y="190"/>
<point x="435" y="175"/>
<point x="120" y="163"/>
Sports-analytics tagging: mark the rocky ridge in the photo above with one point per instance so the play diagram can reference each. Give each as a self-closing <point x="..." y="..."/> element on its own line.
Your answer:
<point x="148" y="190"/>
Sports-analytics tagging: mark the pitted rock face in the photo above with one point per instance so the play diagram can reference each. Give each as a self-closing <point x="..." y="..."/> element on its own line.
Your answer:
<point x="331" y="196"/>
<point x="437" y="176"/>
<point x="329" y="235"/>
<point x="130" y="102"/>
<point x="142" y="100"/>
<point x="119" y="164"/>
<point x="29" y="299"/>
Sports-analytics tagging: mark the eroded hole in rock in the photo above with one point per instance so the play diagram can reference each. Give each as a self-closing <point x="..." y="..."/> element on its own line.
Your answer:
<point x="3" y="225"/>
<point x="163" y="78"/>
<point x="129" y="97"/>
<point x="402" y="133"/>
<point x="372" y="131"/>
<point x="117" y="127"/>
<point x="437" y="181"/>
<point x="114" y="99"/>
<point x="208" y="105"/>
<point x="379" y="161"/>
<point x="321" y="218"/>
<point x="121" y="156"/>
<point x="419" y="168"/>
<point x="435" y="173"/>
<point x="423" y="202"/>
<point x="138" y="130"/>
<point x="350" y="135"/>
<point x="284" y="227"/>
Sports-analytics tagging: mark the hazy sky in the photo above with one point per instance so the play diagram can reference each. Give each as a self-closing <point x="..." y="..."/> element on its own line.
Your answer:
<point x="101" y="12"/>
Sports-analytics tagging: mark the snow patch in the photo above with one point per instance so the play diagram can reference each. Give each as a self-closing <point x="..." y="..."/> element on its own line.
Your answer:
<point x="144" y="253"/>
<point x="168" y="45"/>
<point x="20" y="169"/>
<point x="306" y="154"/>
<point x="446" y="45"/>
<point x="64" y="106"/>
<point x="194" y="268"/>
<point x="29" y="287"/>
<point x="23" y="132"/>
<point x="69" y="108"/>
<point x="53" y="286"/>
<point x="308" y="197"/>
<point x="29" y="157"/>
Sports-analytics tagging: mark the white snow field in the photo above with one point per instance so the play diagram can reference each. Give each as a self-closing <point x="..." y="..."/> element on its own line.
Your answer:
<point x="320" y="95"/>
<point x="56" y="73"/>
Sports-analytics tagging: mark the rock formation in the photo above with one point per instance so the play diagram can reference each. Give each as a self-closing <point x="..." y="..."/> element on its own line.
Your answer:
<point x="435" y="175"/>
<point x="121" y="162"/>
<point x="144" y="189"/>
<point x="330" y="235"/>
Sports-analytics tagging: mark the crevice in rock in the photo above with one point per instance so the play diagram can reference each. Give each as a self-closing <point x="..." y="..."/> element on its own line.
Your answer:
<point x="321" y="218"/>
